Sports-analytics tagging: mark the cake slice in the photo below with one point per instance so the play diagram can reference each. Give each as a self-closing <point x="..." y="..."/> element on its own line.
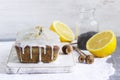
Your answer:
<point x="37" y="45"/>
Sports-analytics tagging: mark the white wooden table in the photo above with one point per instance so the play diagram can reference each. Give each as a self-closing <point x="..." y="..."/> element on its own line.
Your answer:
<point x="77" y="74"/>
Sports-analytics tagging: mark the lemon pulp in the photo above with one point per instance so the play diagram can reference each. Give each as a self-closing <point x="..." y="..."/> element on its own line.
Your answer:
<point x="102" y="44"/>
<point x="65" y="33"/>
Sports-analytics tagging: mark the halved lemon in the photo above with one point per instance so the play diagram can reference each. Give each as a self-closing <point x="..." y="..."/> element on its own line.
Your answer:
<point x="65" y="33"/>
<point x="102" y="44"/>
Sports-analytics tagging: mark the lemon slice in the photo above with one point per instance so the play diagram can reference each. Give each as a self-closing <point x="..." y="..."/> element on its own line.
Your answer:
<point x="65" y="33"/>
<point x="102" y="44"/>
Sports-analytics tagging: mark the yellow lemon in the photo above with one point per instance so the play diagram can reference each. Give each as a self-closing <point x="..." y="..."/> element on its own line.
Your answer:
<point x="65" y="33"/>
<point x="102" y="44"/>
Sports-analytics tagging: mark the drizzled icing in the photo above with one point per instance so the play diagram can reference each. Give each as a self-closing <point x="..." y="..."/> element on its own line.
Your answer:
<point x="22" y="50"/>
<point x="40" y="53"/>
<point x="30" y="52"/>
<point x="44" y="49"/>
<point x="39" y="37"/>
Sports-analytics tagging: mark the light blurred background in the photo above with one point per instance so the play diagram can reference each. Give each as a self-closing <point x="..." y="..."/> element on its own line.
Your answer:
<point x="16" y="15"/>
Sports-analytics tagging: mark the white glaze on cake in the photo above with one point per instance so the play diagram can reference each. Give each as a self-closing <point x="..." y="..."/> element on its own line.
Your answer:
<point x="40" y="53"/>
<point x="30" y="52"/>
<point x="39" y="38"/>
<point x="44" y="49"/>
<point x="22" y="50"/>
